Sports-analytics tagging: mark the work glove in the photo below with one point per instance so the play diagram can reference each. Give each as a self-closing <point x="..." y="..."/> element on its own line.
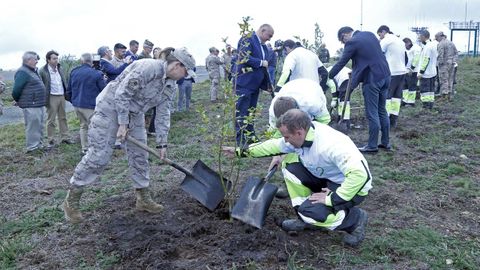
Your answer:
<point x="334" y="103"/>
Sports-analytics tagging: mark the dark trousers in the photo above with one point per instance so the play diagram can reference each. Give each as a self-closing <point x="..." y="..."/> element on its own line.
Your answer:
<point x="247" y="101"/>
<point x="319" y="211"/>
<point x="375" y="95"/>
<point x="151" y="125"/>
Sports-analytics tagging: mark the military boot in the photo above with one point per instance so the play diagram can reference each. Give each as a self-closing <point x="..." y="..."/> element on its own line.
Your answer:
<point x="71" y="205"/>
<point x="145" y="202"/>
<point x="354" y="238"/>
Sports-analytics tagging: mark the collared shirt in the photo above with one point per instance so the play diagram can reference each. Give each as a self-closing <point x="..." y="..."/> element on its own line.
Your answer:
<point x="261" y="46"/>
<point x="56" y="85"/>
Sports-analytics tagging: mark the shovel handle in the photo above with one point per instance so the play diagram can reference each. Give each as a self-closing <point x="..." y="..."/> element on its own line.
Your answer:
<point x="270" y="173"/>
<point x="347" y="96"/>
<point x="155" y="153"/>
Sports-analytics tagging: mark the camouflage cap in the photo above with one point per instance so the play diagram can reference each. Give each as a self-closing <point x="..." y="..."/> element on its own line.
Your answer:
<point x="186" y="59"/>
<point x="148" y="43"/>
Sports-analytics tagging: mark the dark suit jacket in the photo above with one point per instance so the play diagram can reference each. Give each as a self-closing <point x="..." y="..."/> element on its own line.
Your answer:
<point x="251" y="75"/>
<point x="368" y="61"/>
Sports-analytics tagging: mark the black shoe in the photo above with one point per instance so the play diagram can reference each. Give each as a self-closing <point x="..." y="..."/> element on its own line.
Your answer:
<point x="67" y="141"/>
<point x="387" y="147"/>
<point x="393" y="121"/>
<point x="367" y="150"/>
<point x="296" y="225"/>
<point x="282" y="193"/>
<point x="354" y="238"/>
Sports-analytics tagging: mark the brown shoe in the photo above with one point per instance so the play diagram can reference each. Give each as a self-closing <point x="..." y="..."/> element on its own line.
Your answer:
<point x="71" y="205"/>
<point x="145" y="202"/>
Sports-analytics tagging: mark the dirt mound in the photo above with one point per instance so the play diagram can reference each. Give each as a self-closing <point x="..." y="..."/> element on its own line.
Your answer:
<point x="188" y="236"/>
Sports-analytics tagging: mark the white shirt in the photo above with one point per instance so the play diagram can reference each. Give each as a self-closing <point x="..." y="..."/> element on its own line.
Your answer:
<point x="302" y="63"/>
<point x="309" y="97"/>
<point x="394" y="49"/>
<point x="430" y="51"/>
<point x="414" y="50"/>
<point x="341" y="76"/>
<point x="56" y="85"/>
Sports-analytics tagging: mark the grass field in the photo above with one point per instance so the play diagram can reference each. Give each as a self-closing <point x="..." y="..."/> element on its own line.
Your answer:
<point x="424" y="208"/>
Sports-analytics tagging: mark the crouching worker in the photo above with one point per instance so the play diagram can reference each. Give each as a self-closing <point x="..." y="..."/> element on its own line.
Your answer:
<point x="120" y="107"/>
<point x="327" y="179"/>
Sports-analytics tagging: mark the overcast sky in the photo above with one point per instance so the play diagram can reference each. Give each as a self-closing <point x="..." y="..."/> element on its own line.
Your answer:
<point x="75" y="27"/>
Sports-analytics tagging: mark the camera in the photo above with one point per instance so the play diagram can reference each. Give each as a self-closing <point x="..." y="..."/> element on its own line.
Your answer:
<point x="96" y="61"/>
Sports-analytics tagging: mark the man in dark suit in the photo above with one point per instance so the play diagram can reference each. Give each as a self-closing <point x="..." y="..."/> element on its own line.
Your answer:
<point x="369" y="67"/>
<point x="250" y="66"/>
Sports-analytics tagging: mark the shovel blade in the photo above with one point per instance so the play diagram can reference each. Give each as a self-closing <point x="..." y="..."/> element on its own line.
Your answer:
<point x="205" y="186"/>
<point x="254" y="201"/>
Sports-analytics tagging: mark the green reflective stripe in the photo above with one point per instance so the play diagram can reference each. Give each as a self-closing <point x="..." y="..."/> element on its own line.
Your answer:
<point x="427" y="97"/>
<point x="355" y="180"/>
<point x="332" y="221"/>
<point x="347" y="110"/>
<point x="284" y="77"/>
<point x="298" y="193"/>
<point x="424" y="63"/>
<point x="324" y="119"/>
<point x="264" y="149"/>
<point x="289" y="159"/>
<point x="332" y="86"/>
<point x="388" y="106"/>
<point x="395" y="106"/>
<point x="411" y="97"/>
<point x="416" y="60"/>
<point x="296" y="190"/>
<point x="405" y="95"/>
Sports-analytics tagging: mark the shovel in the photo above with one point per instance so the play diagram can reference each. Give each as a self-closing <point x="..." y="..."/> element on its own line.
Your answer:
<point x="202" y="183"/>
<point x="342" y="125"/>
<point x="255" y="199"/>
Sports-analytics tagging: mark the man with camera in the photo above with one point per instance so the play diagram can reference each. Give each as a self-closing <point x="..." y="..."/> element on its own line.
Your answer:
<point x="84" y="86"/>
<point x="107" y="67"/>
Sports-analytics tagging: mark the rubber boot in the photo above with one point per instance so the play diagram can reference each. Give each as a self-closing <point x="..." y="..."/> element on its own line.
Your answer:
<point x="354" y="238"/>
<point x="71" y="205"/>
<point x="393" y="121"/>
<point x="145" y="202"/>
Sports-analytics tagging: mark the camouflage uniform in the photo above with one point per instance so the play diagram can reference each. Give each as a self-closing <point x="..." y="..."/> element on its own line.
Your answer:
<point x="124" y="101"/>
<point x="447" y="57"/>
<point x="227" y="60"/>
<point x="2" y="88"/>
<point x="213" y="63"/>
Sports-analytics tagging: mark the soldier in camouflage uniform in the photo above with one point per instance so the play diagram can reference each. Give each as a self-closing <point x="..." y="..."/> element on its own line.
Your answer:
<point x="227" y="61"/>
<point x="121" y="106"/>
<point x="447" y="57"/>
<point x="213" y="63"/>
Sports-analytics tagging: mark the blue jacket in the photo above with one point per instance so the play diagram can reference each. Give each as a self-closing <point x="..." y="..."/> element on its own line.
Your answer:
<point x="110" y="70"/>
<point x="251" y="75"/>
<point x="84" y="86"/>
<point x="368" y="61"/>
<point x="129" y="53"/>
